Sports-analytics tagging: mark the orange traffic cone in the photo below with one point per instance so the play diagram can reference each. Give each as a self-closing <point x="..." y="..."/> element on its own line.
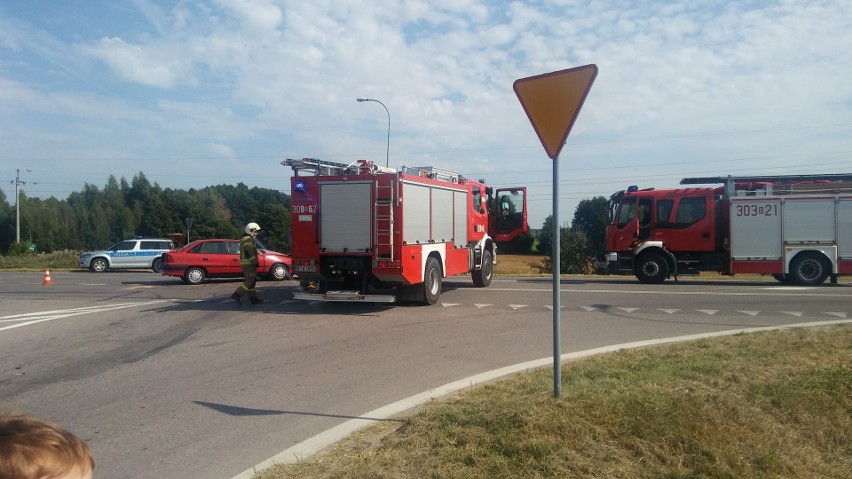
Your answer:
<point x="47" y="280"/>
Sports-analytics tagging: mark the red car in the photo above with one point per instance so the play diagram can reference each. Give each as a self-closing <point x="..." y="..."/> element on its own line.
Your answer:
<point x="220" y="258"/>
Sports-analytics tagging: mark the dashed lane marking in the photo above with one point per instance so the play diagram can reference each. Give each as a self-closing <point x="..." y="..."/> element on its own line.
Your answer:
<point x="708" y="311"/>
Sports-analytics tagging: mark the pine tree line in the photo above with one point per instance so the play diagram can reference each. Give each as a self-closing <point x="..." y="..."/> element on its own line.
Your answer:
<point x="96" y="218"/>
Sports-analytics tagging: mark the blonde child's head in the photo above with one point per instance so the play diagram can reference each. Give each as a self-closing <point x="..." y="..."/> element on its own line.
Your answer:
<point x="32" y="448"/>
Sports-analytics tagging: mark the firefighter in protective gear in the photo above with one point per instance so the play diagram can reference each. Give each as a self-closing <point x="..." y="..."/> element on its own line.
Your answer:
<point x="248" y="262"/>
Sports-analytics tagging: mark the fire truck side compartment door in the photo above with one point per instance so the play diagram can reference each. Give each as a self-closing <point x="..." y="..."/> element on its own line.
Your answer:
<point x="807" y="220"/>
<point x="756" y="228"/>
<point x="844" y="228"/>
<point x="460" y="217"/>
<point x="345" y="212"/>
<point x="416" y="206"/>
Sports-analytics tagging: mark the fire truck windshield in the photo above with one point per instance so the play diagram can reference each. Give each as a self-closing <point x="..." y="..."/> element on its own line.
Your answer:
<point x="612" y="209"/>
<point x="626" y="212"/>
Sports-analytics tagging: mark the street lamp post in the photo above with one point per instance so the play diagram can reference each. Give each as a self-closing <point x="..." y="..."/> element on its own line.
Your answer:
<point x="18" y="182"/>
<point x="387" y="154"/>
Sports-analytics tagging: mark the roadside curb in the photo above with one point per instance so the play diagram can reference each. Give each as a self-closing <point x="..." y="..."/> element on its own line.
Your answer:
<point x="327" y="438"/>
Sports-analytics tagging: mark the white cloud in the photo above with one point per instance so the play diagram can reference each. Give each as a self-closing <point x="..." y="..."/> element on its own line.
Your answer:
<point x="221" y="151"/>
<point x="149" y="66"/>
<point x="258" y="17"/>
<point x="689" y="84"/>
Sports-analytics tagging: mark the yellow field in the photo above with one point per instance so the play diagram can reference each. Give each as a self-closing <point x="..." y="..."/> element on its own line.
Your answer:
<point x="518" y="264"/>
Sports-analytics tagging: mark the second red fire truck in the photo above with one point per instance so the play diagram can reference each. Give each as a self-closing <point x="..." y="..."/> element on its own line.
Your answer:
<point x="797" y="228"/>
<point x="362" y="232"/>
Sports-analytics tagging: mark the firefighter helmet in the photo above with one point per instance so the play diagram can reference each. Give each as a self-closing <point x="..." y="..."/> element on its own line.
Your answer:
<point x="252" y="227"/>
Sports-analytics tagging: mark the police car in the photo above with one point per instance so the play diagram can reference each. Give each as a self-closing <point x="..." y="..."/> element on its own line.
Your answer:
<point x="132" y="253"/>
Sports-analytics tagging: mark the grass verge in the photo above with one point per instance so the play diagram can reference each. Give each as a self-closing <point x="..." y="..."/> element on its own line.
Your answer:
<point x="769" y="404"/>
<point x="60" y="260"/>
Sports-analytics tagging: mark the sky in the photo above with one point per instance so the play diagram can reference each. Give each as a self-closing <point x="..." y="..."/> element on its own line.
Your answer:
<point x="194" y="93"/>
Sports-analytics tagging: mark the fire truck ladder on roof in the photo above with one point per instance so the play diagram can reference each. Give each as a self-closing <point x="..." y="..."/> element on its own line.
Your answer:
<point x="319" y="167"/>
<point x="768" y="179"/>
<point x="778" y="184"/>
<point x="383" y="210"/>
<point x="433" y="173"/>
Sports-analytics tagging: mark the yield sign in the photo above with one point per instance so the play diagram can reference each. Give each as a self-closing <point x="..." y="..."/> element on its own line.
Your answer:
<point x="552" y="102"/>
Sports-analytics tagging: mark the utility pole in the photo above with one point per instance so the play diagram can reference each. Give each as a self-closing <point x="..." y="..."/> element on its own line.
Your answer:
<point x="18" y="183"/>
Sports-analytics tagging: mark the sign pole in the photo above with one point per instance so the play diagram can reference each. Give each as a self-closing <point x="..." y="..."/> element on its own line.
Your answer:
<point x="555" y="266"/>
<point x="552" y="102"/>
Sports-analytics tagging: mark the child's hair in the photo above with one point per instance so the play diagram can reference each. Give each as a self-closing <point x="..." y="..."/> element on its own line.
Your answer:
<point x="32" y="448"/>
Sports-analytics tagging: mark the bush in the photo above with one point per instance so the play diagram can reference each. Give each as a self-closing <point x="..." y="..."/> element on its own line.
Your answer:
<point x="65" y="259"/>
<point x="20" y="249"/>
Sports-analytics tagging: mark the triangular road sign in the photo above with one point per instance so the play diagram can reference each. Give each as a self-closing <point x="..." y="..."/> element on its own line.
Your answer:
<point x="552" y="102"/>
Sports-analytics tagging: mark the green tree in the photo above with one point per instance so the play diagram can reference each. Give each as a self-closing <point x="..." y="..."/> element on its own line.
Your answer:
<point x="7" y="223"/>
<point x="580" y="244"/>
<point x="95" y="218"/>
<point x="590" y="218"/>
<point x="545" y="237"/>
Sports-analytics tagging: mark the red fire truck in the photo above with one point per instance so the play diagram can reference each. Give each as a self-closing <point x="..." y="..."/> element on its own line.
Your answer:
<point x="362" y="232"/>
<point x="798" y="228"/>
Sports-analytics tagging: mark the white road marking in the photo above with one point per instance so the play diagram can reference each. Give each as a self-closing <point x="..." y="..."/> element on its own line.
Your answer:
<point x="589" y="308"/>
<point x="550" y="307"/>
<point x="750" y="313"/>
<point x="448" y="305"/>
<point x="670" y="311"/>
<point x="811" y="292"/>
<point x="708" y="311"/>
<point x="480" y="306"/>
<point x="39" y="317"/>
<point x="798" y="314"/>
<point x="516" y="307"/>
<point x="838" y="314"/>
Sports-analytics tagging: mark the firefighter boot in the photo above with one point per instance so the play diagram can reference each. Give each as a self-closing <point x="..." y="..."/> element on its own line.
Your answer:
<point x="255" y="300"/>
<point x="236" y="297"/>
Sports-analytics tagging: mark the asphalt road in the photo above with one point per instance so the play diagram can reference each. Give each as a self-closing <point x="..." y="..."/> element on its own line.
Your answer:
<point x="165" y="380"/>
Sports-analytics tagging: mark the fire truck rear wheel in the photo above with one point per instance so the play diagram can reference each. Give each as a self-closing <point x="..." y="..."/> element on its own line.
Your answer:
<point x="809" y="269"/>
<point x="431" y="281"/>
<point x="482" y="277"/>
<point x="652" y="268"/>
